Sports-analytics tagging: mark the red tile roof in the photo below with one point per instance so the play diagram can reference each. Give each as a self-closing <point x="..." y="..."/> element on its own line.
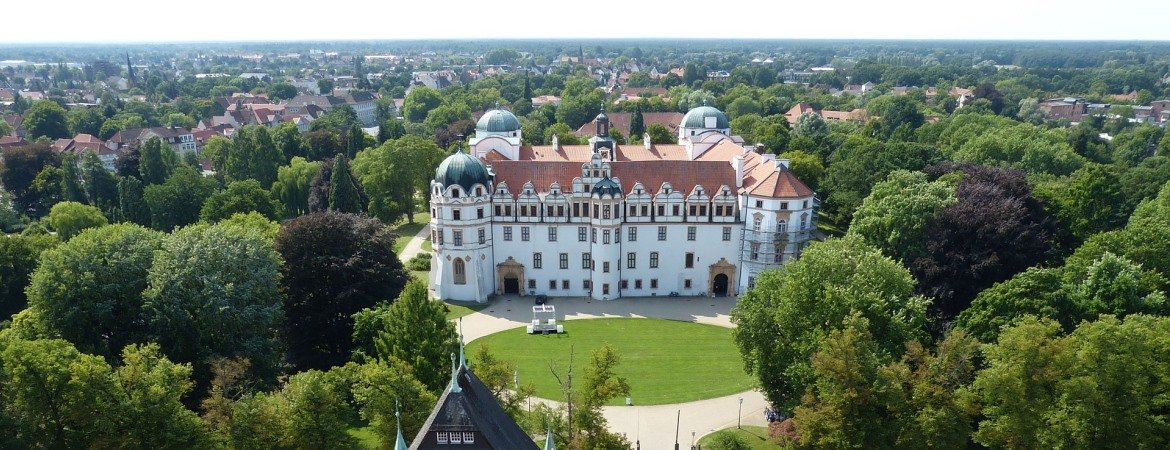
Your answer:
<point x="621" y="121"/>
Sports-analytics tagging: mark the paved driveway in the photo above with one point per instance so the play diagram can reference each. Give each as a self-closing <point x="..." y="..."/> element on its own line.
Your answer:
<point x="652" y="426"/>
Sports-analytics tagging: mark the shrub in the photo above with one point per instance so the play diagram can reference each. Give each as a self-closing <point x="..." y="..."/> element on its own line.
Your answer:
<point x="420" y="262"/>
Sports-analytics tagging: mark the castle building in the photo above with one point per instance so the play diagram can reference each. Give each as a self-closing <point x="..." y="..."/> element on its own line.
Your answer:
<point x="700" y="217"/>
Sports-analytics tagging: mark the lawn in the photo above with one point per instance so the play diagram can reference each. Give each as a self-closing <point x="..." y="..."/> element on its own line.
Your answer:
<point x="756" y="437"/>
<point x="460" y="309"/>
<point x="664" y="361"/>
<point x="365" y="436"/>
<point x="406" y="230"/>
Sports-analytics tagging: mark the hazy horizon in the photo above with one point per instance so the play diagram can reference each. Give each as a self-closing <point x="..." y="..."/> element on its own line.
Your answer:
<point x="216" y="21"/>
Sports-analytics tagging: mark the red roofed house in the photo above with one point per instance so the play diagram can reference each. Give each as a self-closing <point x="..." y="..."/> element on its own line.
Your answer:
<point x="701" y="217"/>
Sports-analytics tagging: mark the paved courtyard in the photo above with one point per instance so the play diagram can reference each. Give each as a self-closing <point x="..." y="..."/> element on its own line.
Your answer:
<point x="652" y="426"/>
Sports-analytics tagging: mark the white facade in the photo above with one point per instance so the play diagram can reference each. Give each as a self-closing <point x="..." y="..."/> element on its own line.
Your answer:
<point x="591" y="232"/>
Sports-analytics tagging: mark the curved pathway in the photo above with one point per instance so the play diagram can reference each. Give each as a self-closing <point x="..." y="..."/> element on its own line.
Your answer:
<point x="652" y="426"/>
<point x="414" y="245"/>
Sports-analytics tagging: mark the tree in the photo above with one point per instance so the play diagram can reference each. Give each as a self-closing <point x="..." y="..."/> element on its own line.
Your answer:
<point x="46" y="118"/>
<point x="806" y="166"/>
<point x="343" y="188"/>
<point x="781" y="321"/>
<point x="100" y="186"/>
<point x="179" y="201"/>
<point x="660" y="135"/>
<point x="1036" y="292"/>
<point x="84" y="120"/>
<point x="252" y="154"/>
<point x="1088" y="202"/>
<point x="579" y="109"/>
<point x="317" y="411"/>
<point x="499" y="377"/>
<point x="71" y="189"/>
<point x="70" y="218"/>
<point x="637" y="122"/>
<point x="857" y="165"/>
<point x="19" y="167"/>
<point x="335" y="265"/>
<point x="419" y="102"/>
<point x="325" y="86"/>
<point x="89" y="290"/>
<point x="56" y="396"/>
<point x="131" y="204"/>
<point x="292" y="185"/>
<point x="287" y="139"/>
<point x="149" y="394"/>
<point x="393" y="173"/>
<point x="994" y="230"/>
<point x="893" y="216"/>
<point x="390" y="129"/>
<point x="19" y="256"/>
<point x="239" y="197"/>
<point x="413" y="329"/>
<point x="213" y="292"/>
<point x="151" y="163"/>
<point x="388" y="395"/>
<point x="849" y="404"/>
<point x="599" y="384"/>
<point x="281" y="91"/>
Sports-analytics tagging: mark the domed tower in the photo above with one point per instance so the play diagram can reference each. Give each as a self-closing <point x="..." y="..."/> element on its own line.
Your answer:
<point x="701" y="120"/>
<point x="497" y="130"/>
<point x="702" y="128"/>
<point x="461" y="268"/>
<point x="605" y="241"/>
<point x="602" y="143"/>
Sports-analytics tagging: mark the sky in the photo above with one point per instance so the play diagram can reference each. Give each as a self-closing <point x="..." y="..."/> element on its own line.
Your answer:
<point x="106" y="21"/>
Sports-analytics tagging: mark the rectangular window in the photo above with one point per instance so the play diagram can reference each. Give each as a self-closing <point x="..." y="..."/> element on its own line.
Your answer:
<point x="479" y="213"/>
<point x="686" y="284"/>
<point x="691" y="233"/>
<point x="631" y="260"/>
<point x="661" y="210"/>
<point x="633" y="211"/>
<point x="653" y="283"/>
<point x="605" y="212"/>
<point x="593" y="235"/>
<point x="585" y="261"/>
<point x="783" y="205"/>
<point x="576" y="210"/>
<point x="653" y="260"/>
<point x="674" y="210"/>
<point x="468" y="437"/>
<point x="537" y="262"/>
<point x="531" y="284"/>
<point x="455" y="214"/>
<point x="805" y="205"/>
<point x="617" y="235"/>
<point x="482" y="236"/>
<point x="690" y="263"/>
<point x="703" y="210"/>
<point x="605" y="289"/>
<point x="625" y="284"/>
<point x="587" y="284"/>
<point x="605" y="267"/>
<point x="581" y="234"/>
<point x="499" y="210"/>
<point x="633" y="234"/>
<point x="564" y="260"/>
<point x="596" y="210"/>
<point x="645" y="210"/>
<point x="524" y="234"/>
<point x="637" y="284"/>
<point x="441" y="437"/>
<point x="552" y="234"/>
<point x="441" y="233"/>
<point x="727" y="233"/>
<point x="507" y="233"/>
<point x="759" y="203"/>
<point x="694" y="210"/>
<point x="565" y="284"/>
<point x="605" y="236"/>
<point x="552" y="285"/>
<point x="458" y="237"/>
<point x="662" y="233"/>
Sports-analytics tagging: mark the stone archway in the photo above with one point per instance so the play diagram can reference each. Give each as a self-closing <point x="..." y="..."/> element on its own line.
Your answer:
<point x="510" y="269"/>
<point x="721" y="267"/>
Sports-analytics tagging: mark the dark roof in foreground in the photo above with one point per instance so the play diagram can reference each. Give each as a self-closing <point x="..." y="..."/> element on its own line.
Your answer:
<point x="473" y="407"/>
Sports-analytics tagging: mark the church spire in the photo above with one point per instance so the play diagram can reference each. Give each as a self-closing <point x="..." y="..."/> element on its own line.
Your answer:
<point x="399" y="442"/>
<point x="455" y="389"/>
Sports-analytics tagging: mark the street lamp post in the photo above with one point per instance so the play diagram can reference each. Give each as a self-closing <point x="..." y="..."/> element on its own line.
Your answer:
<point x="739" y="417"/>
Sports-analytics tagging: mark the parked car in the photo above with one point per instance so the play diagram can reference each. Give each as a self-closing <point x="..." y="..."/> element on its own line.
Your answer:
<point x="541" y="299"/>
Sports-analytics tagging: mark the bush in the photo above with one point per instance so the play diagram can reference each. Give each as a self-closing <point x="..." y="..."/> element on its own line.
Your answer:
<point x="728" y="440"/>
<point x="420" y="262"/>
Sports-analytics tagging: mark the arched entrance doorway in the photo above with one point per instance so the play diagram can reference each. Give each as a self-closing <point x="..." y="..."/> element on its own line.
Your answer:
<point x="719" y="285"/>
<point x="510" y="277"/>
<point x="719" y="279"/>
<point x="511" y="285"/>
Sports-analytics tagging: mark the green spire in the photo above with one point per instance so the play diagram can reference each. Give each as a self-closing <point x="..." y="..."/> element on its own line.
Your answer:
<point x="549" y="443"/>
<point x="399" y="442"/>
<point x="455" y="389"/>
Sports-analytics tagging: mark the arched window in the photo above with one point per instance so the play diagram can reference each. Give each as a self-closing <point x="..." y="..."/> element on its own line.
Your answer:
<point x="459" y="271"/>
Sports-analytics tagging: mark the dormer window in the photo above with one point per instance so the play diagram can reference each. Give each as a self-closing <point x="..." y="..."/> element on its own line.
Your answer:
<point x="455" y="193"/>
<point x="478" y="191"/>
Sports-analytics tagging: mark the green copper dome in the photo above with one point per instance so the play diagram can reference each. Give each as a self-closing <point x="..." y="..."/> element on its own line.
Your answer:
<point x="498" y="121"/>
<point x="607" y="187"/>
<point x="462" y="169"/>
<point x="696" y="118"/>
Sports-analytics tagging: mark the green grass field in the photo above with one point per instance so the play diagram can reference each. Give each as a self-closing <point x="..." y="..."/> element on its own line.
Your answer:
<point x="664" y="361"/>
<point x="460" y="309"/>
<point x="756" y="437"/>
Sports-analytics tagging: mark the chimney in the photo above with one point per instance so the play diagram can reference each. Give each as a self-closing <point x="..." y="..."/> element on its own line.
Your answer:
<point x="782" y="164"/>
<point x="737" y="164"/>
